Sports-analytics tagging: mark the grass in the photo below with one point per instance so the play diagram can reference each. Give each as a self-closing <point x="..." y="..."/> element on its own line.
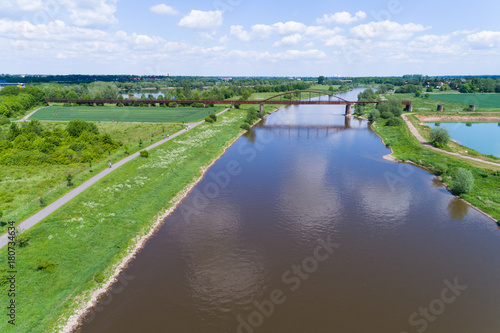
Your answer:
<point x="21" y="187"/>
<point x="406" y="147"/>
<point x="93" y="232"/>
<point x="429" y="105"/>
<point x="124" y="114"/>
<point x="480" y="100"/>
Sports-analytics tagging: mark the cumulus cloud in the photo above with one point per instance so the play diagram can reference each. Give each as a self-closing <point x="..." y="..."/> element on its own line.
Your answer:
<point x="289" y="40"/>
<point x="164" y="9"/>
<point x="484" y="39"/>
<point x="198" y="19"/>
<point x="341" y="18"/>
<point x="293" y="32"/>
<point x="91" y="12"/>
<point x="386" y="29"/>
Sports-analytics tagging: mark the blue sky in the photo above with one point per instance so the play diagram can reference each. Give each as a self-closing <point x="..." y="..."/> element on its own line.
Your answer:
<point x="249" y="38"/>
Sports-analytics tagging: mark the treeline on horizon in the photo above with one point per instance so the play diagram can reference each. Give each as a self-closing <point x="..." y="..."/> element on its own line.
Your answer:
<point x="15" y="101"/>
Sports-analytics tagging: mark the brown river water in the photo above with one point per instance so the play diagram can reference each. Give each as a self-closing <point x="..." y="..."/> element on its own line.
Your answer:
<point x="302" y="226"/>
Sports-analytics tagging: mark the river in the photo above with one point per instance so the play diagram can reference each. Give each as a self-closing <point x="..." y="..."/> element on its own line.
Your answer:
<point x="302" y="226"/>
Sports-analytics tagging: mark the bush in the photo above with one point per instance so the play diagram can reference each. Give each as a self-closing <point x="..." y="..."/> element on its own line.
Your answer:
<point x="394" y="121"/>
<point x="78" y="126"/>
<point x="463" y="181"/>
<point x="374" y="115"/>
<point x="144" y="153"/>
<point x="246" y="126"/>
<point x="22" y="239"/>
<point x="439" y="137"/>
<point x="46" y="266"/>
<point x="440" y="168"/>
<point x="120" y="105"/>
<point x="386" y="115"/>
<point x="209" y="120"/>
<point x="213" y="116"/>
<point x="4" y="121"/>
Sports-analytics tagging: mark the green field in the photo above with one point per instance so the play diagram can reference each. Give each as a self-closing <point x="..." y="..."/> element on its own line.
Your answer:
<point x="124" y="114"/>
<point x="479" y="100"/>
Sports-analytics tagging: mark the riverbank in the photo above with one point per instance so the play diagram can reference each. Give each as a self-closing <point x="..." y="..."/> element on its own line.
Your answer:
<point x="74" y="251"/>
<point x="75" y="320"/>
<point x="406" y="148"/>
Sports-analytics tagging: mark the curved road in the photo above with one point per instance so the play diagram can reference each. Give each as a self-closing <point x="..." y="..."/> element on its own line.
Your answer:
<point x="42" y="214"/>
<point x="424" y="142"/>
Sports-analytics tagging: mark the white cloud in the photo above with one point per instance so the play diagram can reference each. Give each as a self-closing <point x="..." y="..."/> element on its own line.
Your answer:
<point x="289" y="40"/>
<point x="386" y="29"/>
<point x="29" y="5"/>
<point x="198" y="19"/>
<point x="23" y="5"/>
<point x="342" y="18"/>
<point x="164" y="9"/>
<point x="484" y="39"/>
<point x="293" y="32"/>
<point x="435" y="44"/>
<point x="91" y="12"/>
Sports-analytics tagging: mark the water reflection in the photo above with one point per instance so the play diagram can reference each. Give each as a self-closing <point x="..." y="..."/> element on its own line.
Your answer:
<point x="458" y="209"/>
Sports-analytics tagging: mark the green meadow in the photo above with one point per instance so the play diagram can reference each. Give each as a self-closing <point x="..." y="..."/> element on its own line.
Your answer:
<point x="479" y="100"/>
<point x="125" y="114"/>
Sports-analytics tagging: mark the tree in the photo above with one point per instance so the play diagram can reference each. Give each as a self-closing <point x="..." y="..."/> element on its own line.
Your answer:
<point x="463" y="181"/>
<point x="439" y="137"/>
<point x="321" y="79"/>
<point x="374" y="115"/>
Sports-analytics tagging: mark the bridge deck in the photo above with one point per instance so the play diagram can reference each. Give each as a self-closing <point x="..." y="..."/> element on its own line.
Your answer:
<point x="153" y="101"/>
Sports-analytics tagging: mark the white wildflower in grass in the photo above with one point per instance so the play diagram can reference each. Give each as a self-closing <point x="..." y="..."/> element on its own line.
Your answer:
<point x="50" y="237"/>
<point x="166" y="158"/>
<point x="92" y="205"/>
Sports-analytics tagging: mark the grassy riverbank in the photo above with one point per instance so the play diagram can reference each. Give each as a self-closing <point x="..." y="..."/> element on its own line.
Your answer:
<point x="21" y="187"/>
<point x="77" y="248"/>
<point x="406" y="147"/>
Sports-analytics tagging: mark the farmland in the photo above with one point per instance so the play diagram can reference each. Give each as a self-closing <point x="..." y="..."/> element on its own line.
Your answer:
<point x="124" y="114"/>
<point x="480" y="100"/>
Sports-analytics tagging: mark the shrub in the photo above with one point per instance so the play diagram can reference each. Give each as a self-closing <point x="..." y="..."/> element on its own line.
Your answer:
<point x="394" y="121"/>
<point x="4" y="121"/>
<point x="69" y="180"/>
<point x="213" y="116"/>
<point x="374" y="115"/>
<point x="246" y="126"/>
<point x="440" y="168"/>
<point x="144" y="153"/>
<point x="463" y="181"/>
<point x="120" y="105"/>
<point x="386" y="115"/>
<point x="78" y="126"/>
<point x="439" y="137"/>
<point x="46" y="266"/>
<point x="209" y="120"/>
<point x="22" y="239"/>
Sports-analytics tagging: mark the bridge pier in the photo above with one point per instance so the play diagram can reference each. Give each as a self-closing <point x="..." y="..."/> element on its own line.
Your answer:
<point x="261" y="108"/>
<point x="348" y="109"/>
<point x="347" y="123"/>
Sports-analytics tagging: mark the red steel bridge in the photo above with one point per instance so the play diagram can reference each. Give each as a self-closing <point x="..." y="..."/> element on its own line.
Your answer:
<point x="303" y="97"/>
